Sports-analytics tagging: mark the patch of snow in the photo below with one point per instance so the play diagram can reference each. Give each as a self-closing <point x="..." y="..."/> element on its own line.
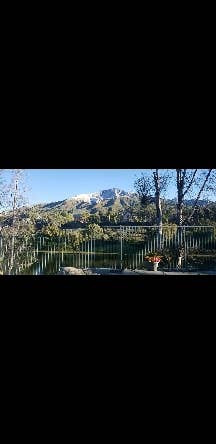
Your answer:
<point x="93" y="198"/>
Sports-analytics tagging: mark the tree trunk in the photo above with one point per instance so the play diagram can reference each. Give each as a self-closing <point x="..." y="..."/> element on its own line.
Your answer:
<point x="180" y="192"/>
<point x="179" y="265"/>
<point x="12" y="253"/>
<point x="13" y="233"/>
<point x="158" y="207"/>
<point x="180" y="213"/>
<point x="159" y="213"/>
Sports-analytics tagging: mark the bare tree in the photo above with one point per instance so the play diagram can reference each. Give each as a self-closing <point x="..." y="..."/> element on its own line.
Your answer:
<point x="194" y="182"/>
<point x="157" y="184"/>
<point x="2" y="188"/>
<point x="207" y="183"/>
<point x="144" y="188"/>
<point x="13" y="199"/>
<point x="191" y="183"/>
<point x="149" y="190"/>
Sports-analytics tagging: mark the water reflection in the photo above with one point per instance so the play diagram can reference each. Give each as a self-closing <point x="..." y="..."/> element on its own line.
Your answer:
<point x="41" y="255"/>
<point x="49" y="263"/>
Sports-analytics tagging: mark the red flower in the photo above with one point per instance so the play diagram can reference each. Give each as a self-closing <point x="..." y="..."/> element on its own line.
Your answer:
<point x="154" y="259"/>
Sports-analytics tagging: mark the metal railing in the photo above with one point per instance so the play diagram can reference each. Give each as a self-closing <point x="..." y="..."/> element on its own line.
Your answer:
<point x="117" y="246"/>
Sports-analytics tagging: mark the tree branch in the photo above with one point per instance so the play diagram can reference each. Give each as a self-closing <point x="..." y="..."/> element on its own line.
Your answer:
<point x="200" y="192"/>
<point x="190" y="183"/>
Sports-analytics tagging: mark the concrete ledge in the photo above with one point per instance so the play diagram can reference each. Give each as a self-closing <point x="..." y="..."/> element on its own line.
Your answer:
<point x="126" y="272"/>
<point x="75" y="271"/>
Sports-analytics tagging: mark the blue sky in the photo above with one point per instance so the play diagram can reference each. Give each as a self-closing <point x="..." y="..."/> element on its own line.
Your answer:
<point x="48" y="185"/>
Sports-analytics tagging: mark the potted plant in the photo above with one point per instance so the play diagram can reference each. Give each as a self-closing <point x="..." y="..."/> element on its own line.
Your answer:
<point x="155" y="260"/>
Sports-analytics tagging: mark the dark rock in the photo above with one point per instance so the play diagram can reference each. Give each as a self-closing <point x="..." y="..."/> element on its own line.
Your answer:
<point x="71" y="271"/>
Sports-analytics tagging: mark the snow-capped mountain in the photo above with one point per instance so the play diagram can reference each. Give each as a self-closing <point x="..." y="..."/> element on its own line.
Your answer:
<point x="92" y="201"/>
<point x="93" y="198"/>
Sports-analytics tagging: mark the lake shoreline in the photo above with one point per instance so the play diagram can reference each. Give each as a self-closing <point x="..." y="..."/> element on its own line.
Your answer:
<point x="72" y="271"/>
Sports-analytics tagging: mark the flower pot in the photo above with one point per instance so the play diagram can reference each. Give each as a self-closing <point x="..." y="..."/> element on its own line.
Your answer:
<point x="155" y="264"/>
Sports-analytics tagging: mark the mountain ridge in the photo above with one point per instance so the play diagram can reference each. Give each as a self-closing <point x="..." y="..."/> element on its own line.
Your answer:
<point x="107" y="196"/>
<point x="104" y="199"/>
<point x="110" y="193"/>
<point x="110" y="205"/>
<point x="78" y="201"/>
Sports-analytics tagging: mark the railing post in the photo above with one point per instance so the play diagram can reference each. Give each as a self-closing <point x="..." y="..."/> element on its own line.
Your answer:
<point x="185" y="249"/>
<point x="121" y="233"/>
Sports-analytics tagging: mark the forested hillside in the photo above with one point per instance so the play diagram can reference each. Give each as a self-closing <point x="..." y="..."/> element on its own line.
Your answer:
<point x="109" y="207"/>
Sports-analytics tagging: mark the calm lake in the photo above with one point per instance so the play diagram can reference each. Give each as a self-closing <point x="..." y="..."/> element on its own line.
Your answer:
<point x="126" y="248"/>
<point x="49" y="263"/>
